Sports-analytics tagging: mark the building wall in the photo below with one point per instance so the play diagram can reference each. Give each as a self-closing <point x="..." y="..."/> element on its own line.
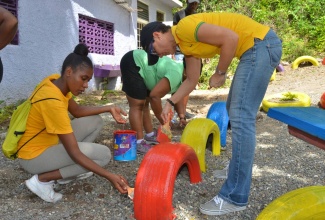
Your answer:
<point x="48" y="32"/>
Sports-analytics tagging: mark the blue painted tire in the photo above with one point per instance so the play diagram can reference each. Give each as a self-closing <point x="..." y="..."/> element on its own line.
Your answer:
<point x="218" y="113"/>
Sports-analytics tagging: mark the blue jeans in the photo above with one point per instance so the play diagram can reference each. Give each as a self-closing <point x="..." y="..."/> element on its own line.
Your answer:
<point x="247" y="90"/>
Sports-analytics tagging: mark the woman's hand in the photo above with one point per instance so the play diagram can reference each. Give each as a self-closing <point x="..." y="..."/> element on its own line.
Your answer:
<point x="166" y="113"/>
<point x="217" y="80"/>
<point x="119" y="182"/>
<point x="117" y="113"/>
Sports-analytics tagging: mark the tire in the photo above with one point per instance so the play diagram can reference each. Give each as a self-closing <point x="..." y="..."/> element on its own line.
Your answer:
<point x="303" y="203"/>
<point x="196" y="135"/>
<point x="301" y="59"/>
<point x="218" y="113"/>
<point x="322" y="101"/>
<point x="155" y="180"/>
<point x="280" y="68"/>
<point x="303" y="101"/>
<point x="273" y="76"/>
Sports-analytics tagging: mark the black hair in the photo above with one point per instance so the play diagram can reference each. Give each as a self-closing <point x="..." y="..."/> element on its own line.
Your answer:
<point x="77" y="59"/>
<point x="147" y="31"/>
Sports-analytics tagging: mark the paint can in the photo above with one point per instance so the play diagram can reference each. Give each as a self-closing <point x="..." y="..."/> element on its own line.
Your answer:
<point x="125" y="145"/>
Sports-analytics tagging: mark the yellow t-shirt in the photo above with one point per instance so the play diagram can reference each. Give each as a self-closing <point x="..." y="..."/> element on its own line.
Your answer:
<point x="51" y="114"/>
<point x="185" y="33"/>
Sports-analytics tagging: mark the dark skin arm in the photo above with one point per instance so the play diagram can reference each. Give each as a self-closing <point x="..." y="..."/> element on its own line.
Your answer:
<point x="82" y="111"/>
<point x="8" y="27"/>
<point x="193" y="67"/>
<point x="71" y="145"/>
<point x="160" y="90"/>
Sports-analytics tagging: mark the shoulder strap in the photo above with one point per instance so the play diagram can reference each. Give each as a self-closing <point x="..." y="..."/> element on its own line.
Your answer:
<point x="35" y="92"/>
<point x="40" y="130"/>
<point x="28" y="141"/>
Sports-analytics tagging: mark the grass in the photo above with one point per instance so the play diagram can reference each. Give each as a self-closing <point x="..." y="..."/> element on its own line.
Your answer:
<point x="289" y="97"/>
<point x="7" y="110"/>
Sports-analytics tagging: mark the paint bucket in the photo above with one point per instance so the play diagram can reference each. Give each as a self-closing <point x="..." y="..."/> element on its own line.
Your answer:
<point x="125" y="145"/>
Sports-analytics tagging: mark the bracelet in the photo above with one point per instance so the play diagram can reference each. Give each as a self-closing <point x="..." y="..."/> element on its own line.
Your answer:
<point x="221" y="72"/>
<point x="171" y="102"/>
<point x="182" y="118"/>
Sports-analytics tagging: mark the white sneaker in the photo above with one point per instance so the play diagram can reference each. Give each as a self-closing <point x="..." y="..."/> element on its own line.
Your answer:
<point x="218" y="206"/>
<point x="221" y="174"/>
<point x="44" y="190"/>
<point x="79" y="177"/>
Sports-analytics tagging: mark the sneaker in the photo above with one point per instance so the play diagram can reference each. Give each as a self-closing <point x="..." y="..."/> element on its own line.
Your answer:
<point x="44" y="190"/>
<point x="152" y="139"/>
<point x="218" y="206"/>
<point x="175" y="118"/>
<point x="143" y="147"/>
<point x="221" y="174"/>
<point x="189" y="115"/>
<point x="79" y="177"/>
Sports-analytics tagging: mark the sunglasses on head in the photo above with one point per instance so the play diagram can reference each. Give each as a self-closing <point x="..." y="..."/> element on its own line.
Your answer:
<point x="152" y="50"/>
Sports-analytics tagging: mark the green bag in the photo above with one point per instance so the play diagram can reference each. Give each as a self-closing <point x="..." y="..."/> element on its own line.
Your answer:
<point x="17" y="128"/>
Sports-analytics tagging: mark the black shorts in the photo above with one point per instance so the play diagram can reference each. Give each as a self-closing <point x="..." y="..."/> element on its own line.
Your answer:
<point x="133" y="83"/>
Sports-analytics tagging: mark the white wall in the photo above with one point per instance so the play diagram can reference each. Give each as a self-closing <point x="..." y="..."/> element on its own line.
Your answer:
<point x="48" y="32"/>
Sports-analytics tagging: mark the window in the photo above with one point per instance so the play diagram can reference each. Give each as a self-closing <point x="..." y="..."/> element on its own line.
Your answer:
<point x="143" y="11"/>
<point x="11" y="5"/>
<point x="143" y="19"/>
<point x="160" y="16"/>
<point x="139" y="28"/>
<point x="98" y="35"/>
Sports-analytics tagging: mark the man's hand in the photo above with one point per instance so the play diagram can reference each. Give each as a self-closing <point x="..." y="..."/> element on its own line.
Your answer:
<point x="217" y="80"/>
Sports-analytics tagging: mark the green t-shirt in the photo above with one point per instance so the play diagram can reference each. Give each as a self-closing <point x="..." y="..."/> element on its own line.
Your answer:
<point x="165" y="67"/>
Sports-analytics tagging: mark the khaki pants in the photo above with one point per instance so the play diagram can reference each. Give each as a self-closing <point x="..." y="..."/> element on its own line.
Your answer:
<point x="86" y="130"/>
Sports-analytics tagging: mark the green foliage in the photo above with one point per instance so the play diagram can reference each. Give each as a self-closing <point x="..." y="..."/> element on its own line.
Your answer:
<point x="299" y="23"/>
<point x="289" y="97"/>
<point x="209" y="67"/>
<point x="7" y="110"/>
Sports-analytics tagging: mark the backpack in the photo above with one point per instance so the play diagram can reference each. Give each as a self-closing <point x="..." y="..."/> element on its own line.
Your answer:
<point x="17" y="127"/>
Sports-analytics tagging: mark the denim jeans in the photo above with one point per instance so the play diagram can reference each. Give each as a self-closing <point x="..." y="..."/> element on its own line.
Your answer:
<point x="247" y="90"/>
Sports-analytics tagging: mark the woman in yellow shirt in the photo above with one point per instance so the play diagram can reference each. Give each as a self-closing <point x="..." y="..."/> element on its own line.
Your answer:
<point x="259" y="50"/>
<point x="64" y="150"/>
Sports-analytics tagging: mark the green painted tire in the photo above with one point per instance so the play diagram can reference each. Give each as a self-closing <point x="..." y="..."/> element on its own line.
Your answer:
<point x="303" y="101"/>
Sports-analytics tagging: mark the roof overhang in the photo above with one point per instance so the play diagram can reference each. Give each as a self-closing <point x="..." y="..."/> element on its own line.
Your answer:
<point x="127" y="4"/>
<point x="172" y="3"/>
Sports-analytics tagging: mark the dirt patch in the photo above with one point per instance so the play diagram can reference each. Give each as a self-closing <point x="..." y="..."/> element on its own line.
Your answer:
<point x="283" y="163"/>
<point x="308" y="80"/>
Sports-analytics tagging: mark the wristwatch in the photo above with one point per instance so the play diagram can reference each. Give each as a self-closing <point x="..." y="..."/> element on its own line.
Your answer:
<point x="221" y="72"/>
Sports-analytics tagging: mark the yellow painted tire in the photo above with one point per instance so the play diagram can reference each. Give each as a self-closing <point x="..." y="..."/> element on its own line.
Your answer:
<point x="303" y="101"/>
<point x="196" y="134"/>
<point x="303" y="203"/>
<point x="273" y="76"/>
<point x="301" y="59"/>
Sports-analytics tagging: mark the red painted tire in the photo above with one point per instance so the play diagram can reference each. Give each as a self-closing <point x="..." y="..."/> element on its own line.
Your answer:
<point x="154" y="184"/>
<point x="322" y="101"/>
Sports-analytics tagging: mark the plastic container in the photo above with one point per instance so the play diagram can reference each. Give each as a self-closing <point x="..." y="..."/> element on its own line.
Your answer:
<point x="125" y="145"/>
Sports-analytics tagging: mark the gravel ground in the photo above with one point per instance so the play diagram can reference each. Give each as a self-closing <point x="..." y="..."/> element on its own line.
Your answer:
<point x="282" y="163"/>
